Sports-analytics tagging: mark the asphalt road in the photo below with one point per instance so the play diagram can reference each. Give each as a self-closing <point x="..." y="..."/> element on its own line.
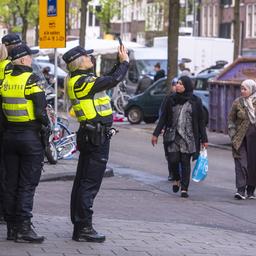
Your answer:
<point x="140" y="190"/>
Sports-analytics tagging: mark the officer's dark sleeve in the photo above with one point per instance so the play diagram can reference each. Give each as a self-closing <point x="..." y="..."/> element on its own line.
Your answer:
<point x="110" y="81"/>
<point x="8" y="68"/>
<point x="35" y="93"/>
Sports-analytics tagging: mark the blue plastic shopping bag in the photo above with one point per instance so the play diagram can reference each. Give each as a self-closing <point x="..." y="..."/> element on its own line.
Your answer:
<point x="201" y="167"/>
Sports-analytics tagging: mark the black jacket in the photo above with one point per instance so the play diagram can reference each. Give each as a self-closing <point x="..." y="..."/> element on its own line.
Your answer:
<point x="159" y="74"/>
<point x="198" y="122"/>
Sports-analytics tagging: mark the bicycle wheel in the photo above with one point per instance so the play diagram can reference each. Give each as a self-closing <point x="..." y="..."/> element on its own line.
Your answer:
<point x="51" y="153"/>
<point x="120" y="102"/>
<point x="66" y="146"/>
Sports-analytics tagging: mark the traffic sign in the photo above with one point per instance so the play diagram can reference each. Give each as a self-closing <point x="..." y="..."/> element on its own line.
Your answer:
<point x="52" y="24"/>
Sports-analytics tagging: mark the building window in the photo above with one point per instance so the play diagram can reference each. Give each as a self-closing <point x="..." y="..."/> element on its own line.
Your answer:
<point x="225" y="30"/>
<point x="215" y="21"/>
<point x="250" y="21"/>
<point x="155" y="17"/>
<point x="205" y="23"/>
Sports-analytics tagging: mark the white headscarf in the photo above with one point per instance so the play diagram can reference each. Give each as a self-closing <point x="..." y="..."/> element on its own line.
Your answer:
<point x="248" y="102"/>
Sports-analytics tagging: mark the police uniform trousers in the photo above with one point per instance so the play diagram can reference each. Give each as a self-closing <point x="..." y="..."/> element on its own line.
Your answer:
<point x="23" y="157"/>
<point x="2" y="177"/>
<point x="90" y="171"/>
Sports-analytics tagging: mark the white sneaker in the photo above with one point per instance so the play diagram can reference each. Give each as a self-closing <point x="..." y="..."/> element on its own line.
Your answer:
<point x="239" y="196"/>
<point x="252" y="196"/>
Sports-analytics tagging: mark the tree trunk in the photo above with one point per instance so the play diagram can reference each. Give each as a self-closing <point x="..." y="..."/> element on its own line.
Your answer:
<point x="173" y="38"/>
<point x="237" y="50"/>
<point x="37" y="31"/>
<point x="24" y="29"/>
<point x="84" y="4"/>
<point x="68" y="25"/>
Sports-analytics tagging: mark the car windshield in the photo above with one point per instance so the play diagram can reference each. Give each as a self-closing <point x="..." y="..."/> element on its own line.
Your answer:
<point x="147" y="66"/>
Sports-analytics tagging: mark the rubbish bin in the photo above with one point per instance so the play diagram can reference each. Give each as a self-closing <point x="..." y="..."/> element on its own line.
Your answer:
<point x="225" y="89"/>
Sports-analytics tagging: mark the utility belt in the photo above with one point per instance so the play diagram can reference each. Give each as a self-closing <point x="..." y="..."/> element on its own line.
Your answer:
<point x="96" y="133"/>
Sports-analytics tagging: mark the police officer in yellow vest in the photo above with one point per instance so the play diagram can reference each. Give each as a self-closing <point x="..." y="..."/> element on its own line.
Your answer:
<point x="5" y="69"/>
<point x="10" y="41"/>
<point x="23" y="105"/>
<point x="93" y="110"/>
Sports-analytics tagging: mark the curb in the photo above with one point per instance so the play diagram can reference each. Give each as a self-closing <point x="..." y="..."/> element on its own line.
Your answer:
<point x="212" y="145"/>
<point x="63" y="176"/>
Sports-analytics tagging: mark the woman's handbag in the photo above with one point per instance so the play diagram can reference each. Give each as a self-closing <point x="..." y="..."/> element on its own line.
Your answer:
<point x="201" y="167"/>
<point x="169" y="135"/>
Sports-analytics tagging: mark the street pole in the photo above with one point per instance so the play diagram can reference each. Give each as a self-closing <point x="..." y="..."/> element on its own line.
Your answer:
<point x="56" y="85"/>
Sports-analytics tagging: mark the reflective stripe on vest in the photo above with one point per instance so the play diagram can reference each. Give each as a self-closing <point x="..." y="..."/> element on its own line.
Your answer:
<point x="14" y="104"/>
<point x="3" y="65"/>
<point x="87" y="109"/>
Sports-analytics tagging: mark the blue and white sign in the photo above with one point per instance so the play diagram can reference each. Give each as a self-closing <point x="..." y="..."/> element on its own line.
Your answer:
<point x="51" y="8"/>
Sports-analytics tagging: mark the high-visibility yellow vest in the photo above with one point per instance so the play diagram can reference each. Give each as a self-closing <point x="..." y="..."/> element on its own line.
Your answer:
<point x="3" y="72"/>
<point x="15" y="106"/>
<point x="88" y="107"/>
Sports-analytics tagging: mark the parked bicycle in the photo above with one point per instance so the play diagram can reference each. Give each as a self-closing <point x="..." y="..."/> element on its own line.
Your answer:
<point x="62" y="142"/>
<point x="120" y="97"/>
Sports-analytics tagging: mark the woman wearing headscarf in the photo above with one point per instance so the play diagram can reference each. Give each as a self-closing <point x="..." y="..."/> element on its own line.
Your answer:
<point x="184" y="132"/>
<point x="242" y="131"/>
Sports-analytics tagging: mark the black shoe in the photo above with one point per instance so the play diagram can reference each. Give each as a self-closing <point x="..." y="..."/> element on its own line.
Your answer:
<point x="11" y="231"/>
<point x="184" y="194"/>
<point x="2" y="221"/>
<point x="26" y="234"/>
<point x="87" y="234"/>
<point x="175" y="188"/>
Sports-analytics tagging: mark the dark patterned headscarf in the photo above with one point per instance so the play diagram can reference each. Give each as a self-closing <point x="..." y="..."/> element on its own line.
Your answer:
<point x="181" y="98"/>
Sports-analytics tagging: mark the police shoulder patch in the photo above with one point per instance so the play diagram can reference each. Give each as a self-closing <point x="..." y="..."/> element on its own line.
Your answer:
<point x="33" y="79"/>
<point x="90" y="78"/>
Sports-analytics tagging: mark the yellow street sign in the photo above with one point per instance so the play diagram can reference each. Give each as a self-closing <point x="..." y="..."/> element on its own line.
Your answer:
<point x="52" y="24"/>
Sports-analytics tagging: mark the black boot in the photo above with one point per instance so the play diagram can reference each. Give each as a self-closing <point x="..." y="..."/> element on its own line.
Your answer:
<point x="2" y="219"/>
<point x="11" y="231"/>
<point x="26" y="234"/>
<point x="88" y="234"/>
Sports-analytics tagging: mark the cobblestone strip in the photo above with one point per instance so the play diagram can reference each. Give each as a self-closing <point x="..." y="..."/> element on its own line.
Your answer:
<point x="132" y="238"/>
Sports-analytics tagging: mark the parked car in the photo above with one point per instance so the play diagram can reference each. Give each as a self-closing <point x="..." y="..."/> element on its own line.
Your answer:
<point x="61" y="74"/>
<point x="145" y="106"/>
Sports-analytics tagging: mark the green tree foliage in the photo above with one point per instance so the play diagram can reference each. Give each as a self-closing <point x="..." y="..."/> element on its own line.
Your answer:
<point x="109" y="9"/>
<point x="13" y="10"/>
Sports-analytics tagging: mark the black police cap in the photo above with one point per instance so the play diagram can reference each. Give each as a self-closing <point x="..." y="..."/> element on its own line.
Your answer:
<point x="74" y="53"/>
<point x="20" y="51"/>
<point x="11" y="39"/>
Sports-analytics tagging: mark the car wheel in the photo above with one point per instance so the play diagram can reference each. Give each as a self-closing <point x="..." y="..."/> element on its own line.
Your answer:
<point x="134" y="115"/>
<point x="149" y="120"/>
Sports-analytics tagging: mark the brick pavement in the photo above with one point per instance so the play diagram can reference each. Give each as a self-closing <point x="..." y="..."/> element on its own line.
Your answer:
<point x="132" y="238"/>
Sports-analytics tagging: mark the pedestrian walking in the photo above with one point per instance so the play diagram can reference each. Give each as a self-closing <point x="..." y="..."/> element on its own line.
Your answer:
<point x="92" y="107"/>
<point x="23" y="105"/>
<point x="160" y="73"/>
<point x="154" y="139"/>
<point x="242" y="131"/>
<point x="183" y="119"/>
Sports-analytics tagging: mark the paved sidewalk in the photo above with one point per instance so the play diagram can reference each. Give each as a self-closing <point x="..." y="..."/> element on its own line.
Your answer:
<point x="132" y="238"/>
